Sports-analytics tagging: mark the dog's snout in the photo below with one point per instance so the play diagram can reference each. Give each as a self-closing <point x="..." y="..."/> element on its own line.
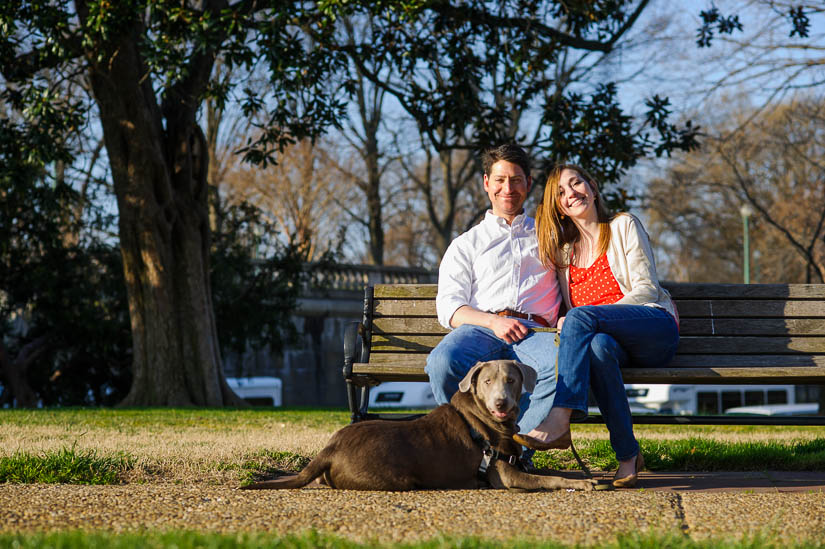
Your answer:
<point x="500" y="404"/>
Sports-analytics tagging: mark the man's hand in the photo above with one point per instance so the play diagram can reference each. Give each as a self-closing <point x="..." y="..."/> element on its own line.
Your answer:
<point x="509" y="329"/>
<point x="559" y="323"/>
<point x="506" y="328"/>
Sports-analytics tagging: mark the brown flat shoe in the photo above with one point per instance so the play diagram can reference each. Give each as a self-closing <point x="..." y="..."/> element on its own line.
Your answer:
<point x="630" y="480"/>
<point x="561" y="442"/>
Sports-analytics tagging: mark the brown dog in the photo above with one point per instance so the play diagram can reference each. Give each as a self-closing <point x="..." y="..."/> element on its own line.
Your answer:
<point x="465" y="444"/>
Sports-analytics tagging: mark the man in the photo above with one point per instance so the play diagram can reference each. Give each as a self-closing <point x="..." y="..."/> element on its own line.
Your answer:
<point x="492" y="289"/>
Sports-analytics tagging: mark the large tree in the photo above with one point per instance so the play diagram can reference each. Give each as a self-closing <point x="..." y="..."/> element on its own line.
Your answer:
<point x="149" y="66"/>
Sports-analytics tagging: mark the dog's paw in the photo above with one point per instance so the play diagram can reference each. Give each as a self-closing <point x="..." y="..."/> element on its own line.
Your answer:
<point x="586" y="485"/>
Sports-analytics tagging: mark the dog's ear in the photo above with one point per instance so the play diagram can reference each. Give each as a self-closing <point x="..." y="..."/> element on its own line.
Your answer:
<point x="528" y="376"/>
<point x="465" y="384"/>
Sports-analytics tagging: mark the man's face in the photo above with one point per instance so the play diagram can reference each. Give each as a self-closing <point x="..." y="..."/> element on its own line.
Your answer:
<point x="507" y="187"/>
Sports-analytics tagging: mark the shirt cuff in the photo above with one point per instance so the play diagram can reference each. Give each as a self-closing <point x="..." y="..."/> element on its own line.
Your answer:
<point x="446" y="309"/>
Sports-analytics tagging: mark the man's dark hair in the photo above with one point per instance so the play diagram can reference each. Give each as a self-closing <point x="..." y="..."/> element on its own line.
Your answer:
<point x="509" y="152"/>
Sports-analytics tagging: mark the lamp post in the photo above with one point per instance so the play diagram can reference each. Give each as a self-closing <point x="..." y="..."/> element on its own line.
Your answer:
<point x="746" y="211"/>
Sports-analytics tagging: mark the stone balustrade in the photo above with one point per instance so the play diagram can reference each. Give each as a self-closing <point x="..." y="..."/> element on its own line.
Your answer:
<point x="347" y="277"/>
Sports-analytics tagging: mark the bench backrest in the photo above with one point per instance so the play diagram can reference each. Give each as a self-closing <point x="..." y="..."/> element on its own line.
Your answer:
<point x="730" y="333"/>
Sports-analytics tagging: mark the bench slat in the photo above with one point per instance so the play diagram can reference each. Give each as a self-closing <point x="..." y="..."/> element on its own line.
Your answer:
<point x="688" y="327"/>
<point x="414" y="325"/>
<point x="684" y="290"/>
<point x="687" y="309"/>
<point x="679" y="290"/>
<point x="406" y="361"/>
<point x="691" y="344"/>
<point x="751" y="345"/>
<point x="404" y="307"/>
<point x="408" y="369"/>
<point x="752" y="326"/>
<point x="424" y="291"/>
<point x="800" y="375"/>
<point x="750" y="309"/>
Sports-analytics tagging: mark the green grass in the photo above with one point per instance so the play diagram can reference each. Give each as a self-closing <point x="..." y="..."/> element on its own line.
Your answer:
<point x="267" y="464"/>
<point x="699" y="454"/>
<point x="695" y="448"/>
<point x="125" y="419"/>
<point x="65" y="466"/>
<point x="310" y="540"/>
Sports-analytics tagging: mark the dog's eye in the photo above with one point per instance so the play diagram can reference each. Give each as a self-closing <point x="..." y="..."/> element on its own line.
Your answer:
<point x="510" y="380"/>
<point x="488" y="381"/>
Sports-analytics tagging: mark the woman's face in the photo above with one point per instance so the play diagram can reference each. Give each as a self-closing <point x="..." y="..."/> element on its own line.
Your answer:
<point x="576" y="196"/>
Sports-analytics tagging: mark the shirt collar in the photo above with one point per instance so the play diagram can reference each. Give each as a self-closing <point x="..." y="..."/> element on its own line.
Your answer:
<point x="490" y="217"/>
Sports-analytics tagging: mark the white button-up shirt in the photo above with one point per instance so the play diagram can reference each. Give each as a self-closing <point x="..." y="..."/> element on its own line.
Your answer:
<point x="496" y="266"/>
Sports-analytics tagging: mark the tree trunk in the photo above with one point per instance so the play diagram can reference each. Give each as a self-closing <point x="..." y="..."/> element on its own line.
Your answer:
<point x="160" y="183"/>
<point x="13" y="372"/>
<point x="373" y="192"/>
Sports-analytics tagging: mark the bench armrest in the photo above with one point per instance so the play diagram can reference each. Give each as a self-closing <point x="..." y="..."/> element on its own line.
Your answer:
<point x="354" y="347"/>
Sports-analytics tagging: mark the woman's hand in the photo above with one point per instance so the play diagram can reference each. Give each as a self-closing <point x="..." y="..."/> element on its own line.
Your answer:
<point x="559" y="323"/>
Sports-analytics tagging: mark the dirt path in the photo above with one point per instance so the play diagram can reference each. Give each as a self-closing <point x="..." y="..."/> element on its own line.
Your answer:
<point x="567" y="517"/>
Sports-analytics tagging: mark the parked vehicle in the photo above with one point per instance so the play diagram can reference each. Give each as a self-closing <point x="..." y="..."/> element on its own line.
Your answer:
<point x="804" y="409"/>
<point x="257" y="390"/>
<point x="402" y="394"/>
<point x="705" y="399"/>
<point x="643" y="398"/>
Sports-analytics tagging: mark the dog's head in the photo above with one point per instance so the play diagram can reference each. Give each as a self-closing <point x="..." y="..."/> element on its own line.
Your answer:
<point x="498" y="384"/>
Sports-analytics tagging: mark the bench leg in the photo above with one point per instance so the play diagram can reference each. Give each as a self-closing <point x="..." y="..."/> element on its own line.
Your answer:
<point x="352" y="401"/>
<point x="358" y="404"/>
<point x="365" y="402"/>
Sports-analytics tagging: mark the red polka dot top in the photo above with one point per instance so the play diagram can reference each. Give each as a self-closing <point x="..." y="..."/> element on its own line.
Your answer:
<point x="594" y="285"/>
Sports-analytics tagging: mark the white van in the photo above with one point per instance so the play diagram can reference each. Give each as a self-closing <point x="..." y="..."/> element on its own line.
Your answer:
<point x="705" y="399"/>
<point x="804" y="409"/>
<point x="257" y="390"/>
<point x="402" y="394"/>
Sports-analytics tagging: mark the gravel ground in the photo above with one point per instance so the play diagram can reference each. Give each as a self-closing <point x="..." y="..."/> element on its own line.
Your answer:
<point x="567" y="517"/>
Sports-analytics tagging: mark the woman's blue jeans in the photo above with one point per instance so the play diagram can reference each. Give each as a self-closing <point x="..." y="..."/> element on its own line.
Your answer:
<point x="595" y="343"/>
<point x="468" y="344"/>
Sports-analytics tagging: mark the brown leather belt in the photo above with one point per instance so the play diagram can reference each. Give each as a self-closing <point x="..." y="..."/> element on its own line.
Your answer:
<point x="526" y="316"/>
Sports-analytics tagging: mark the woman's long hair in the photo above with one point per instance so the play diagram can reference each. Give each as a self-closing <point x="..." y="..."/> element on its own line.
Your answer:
<point x="557" y="234"/>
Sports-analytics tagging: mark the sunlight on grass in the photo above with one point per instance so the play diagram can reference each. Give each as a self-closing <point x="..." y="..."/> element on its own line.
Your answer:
<point x="239" y="445"/>
<point x="65" y="466"/>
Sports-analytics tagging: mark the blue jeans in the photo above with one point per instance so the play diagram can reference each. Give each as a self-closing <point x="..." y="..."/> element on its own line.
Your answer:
<point x="596" y="342"/>
<point x="468" y="344"/>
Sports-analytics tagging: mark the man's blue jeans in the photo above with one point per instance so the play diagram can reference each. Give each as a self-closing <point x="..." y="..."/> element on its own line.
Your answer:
<point x="468" y="344"/>
<point x="595" y="342"/>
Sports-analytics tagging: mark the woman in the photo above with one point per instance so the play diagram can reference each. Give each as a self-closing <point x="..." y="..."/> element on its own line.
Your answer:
<point x="618" y="314"/>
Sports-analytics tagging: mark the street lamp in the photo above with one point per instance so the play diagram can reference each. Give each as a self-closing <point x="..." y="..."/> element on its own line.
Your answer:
<point x="746" y="211"/>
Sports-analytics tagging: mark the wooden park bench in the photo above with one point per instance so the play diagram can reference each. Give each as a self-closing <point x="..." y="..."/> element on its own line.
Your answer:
<point x="730" y="334"/>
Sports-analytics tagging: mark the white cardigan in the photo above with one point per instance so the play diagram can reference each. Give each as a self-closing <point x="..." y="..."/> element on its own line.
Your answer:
<point x="631" y="261"/>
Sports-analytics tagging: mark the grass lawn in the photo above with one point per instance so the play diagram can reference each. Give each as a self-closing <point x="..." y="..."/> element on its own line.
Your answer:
<point x="105" y="446"/>
<point x="229" y="447"/>
<point x="311" y="540"/>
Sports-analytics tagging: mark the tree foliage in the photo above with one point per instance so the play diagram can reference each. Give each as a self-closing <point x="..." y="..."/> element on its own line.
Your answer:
<point x="776" y="166"/>
<point x="469" y="74"/>
<point x="63" y="311"/>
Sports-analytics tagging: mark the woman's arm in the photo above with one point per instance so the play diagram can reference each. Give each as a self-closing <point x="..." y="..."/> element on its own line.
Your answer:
<point x="644" y="282"/>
